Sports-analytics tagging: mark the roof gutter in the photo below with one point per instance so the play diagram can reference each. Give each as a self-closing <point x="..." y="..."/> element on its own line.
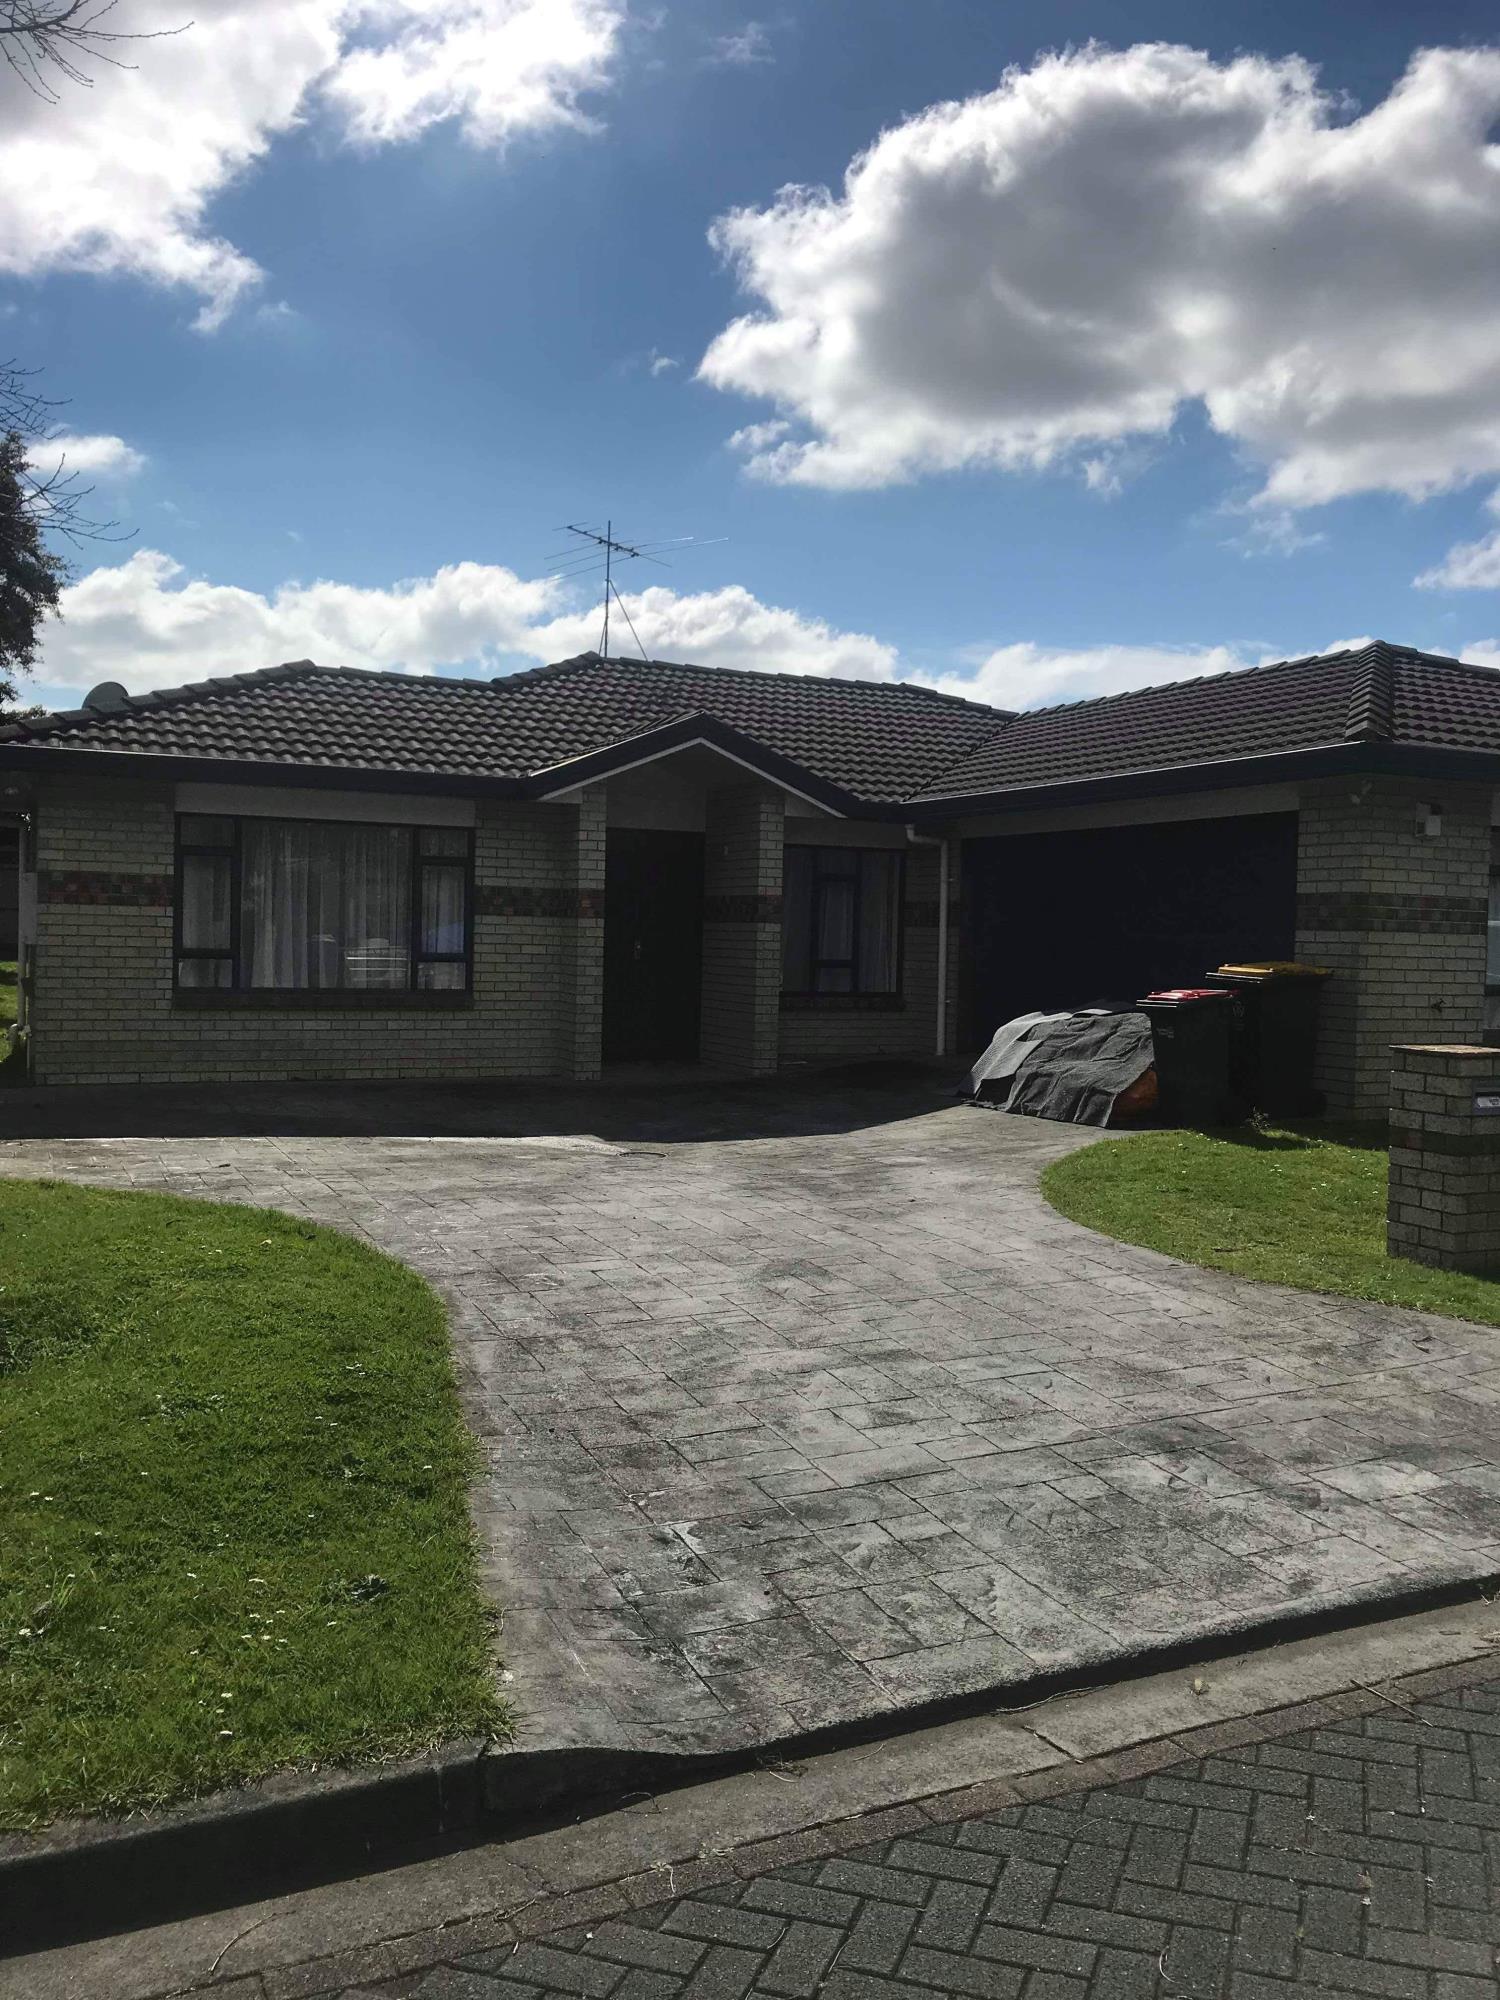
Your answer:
<point x="1316" y="760"/>
<point x="47" y="759"/>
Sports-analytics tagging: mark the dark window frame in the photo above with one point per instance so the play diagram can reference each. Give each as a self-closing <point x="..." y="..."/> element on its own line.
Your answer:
<point x="412" y="994"/>
<point x="1491" y="987"/>
<point x="854" y="992"/>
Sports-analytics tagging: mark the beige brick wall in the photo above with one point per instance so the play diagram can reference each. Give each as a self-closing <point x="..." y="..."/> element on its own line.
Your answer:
<point x="742" y="928"/>
<point x="832" y="1033"/>
<point x="103" y="1006"/>
<point x="1444" y="1199"/>
<point x="1399" y="918"/>
<point x="583" y="997"/>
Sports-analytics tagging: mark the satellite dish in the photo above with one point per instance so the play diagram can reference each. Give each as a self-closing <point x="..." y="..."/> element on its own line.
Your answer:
<point x="106" y="699"/>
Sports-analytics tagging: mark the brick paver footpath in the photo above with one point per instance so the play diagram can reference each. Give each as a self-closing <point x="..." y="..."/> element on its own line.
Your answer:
<point x="1361" y="1857"/>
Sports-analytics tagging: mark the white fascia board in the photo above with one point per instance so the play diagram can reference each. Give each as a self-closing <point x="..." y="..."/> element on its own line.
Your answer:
<point x="572" y="791"/>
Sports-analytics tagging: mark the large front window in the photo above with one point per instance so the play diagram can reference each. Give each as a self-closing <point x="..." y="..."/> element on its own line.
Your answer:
<point x="841" y="920"/>
<point x="321" y="906"/>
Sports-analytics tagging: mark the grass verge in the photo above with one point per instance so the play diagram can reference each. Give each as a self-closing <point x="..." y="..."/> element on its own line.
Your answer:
<point x="232" y="1503"/>
<point x="1299" y="1205"/>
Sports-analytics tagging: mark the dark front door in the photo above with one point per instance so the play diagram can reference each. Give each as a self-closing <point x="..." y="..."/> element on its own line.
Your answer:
<point x="653" y="945"/>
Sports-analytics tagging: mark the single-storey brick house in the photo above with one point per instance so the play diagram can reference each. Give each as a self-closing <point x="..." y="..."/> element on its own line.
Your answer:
<point x="315" y="872"/>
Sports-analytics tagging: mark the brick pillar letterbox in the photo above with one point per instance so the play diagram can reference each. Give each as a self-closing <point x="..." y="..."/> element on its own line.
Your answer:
<point x="1444" y="1204"/>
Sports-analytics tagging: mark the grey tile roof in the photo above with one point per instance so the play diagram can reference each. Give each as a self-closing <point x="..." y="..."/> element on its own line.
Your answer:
<point x="1373" y="694"/>
<point x="883" y="742"/>
<point x="879" y="740"/>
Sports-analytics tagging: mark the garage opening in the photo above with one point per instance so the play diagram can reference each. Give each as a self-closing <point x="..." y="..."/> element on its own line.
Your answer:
<point x="1097" y="918"/>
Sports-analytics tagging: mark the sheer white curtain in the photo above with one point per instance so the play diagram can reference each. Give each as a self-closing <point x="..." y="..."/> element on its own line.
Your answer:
<point x="325" y="905"/>
<point x="879" y="922"/>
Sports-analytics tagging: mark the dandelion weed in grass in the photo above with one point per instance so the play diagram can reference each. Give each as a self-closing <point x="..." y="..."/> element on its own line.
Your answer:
<point x="233" y="1502"/>
<point x="1300" y="1205"/>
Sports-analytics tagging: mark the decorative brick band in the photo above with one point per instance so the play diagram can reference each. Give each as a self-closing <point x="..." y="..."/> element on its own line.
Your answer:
<point x="107" y="890"/>
<point x="742" y="909"/>
<point x="514" y="899"/>
<point x="1451" y="1145"/>
<point x="1356" y="910"/>
<point x="843" y="1003"/>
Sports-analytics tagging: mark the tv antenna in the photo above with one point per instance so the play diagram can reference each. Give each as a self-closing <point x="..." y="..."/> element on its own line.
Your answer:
<point x="594" y="552"/>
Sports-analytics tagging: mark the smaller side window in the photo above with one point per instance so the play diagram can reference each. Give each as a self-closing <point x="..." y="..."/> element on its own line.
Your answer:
<point x="207" y="905"/>
<point x="841" y="921"/>
<point x="441" y="956"/>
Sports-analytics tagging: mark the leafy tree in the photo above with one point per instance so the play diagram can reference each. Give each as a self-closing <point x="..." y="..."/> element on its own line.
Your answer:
<point x="31" y="574"/>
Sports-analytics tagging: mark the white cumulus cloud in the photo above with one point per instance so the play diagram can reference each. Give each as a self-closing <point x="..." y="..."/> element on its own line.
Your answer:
<point x="120" y="178"/>
<point x="1026" y="675"/>
<point x="499" y="67"/>
<point x="147" y="623"/>
<point x="96" y="455"/>
<point x="725" y="628"/>
<point x="1468" y="565"/>
<point x="1070" y="260"/>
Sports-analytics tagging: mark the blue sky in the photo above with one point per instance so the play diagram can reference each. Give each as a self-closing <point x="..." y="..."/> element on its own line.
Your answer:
<point x="445" y="346"/>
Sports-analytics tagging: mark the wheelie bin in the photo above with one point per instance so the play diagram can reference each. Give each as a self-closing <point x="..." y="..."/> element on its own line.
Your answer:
<point x="1275" y="1042"/>
<point x="1191" y="1034"/>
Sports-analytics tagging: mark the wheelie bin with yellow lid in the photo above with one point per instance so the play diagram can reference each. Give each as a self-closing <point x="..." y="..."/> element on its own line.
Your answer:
<point x="1274" y="1049"/>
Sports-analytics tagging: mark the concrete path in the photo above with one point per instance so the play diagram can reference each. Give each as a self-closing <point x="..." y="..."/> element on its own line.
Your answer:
<point x="801" y="1409"/>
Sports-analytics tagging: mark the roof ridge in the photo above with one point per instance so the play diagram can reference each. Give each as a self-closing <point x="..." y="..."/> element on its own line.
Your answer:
<point x="1188" y="680"/>
<point x="1371" y="715"/>
<point x="151" y="699"/>
<point x="973" y="749"/>
<point x="758" y="674"/>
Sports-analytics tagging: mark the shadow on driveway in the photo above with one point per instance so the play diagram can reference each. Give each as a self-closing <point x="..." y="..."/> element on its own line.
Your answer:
<point x="630" y="1105"/>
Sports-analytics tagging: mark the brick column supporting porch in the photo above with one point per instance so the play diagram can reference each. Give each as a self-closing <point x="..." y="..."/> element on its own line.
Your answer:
<point x="742" y="928"/>
<point x="587" y="955"/>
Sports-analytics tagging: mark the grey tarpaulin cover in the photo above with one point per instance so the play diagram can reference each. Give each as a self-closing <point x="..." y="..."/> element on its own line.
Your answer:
<point x="1082" y="1067"/>
<point x="992" y="1076"/>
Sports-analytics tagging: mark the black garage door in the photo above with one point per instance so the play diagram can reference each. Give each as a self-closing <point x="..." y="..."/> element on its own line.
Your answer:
<point x="1055" y="920"/>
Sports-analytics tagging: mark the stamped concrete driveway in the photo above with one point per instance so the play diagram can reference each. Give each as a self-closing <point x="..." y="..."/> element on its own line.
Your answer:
<point x="802" y="1408"/>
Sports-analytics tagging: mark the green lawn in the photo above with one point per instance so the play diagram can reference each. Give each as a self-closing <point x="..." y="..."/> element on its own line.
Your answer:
<point x="7" y="992"/>
<point x="1300" y="1206"/>
<point x="232" y="1504"/>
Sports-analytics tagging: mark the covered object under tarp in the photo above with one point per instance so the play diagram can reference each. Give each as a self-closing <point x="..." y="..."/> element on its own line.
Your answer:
<point x="993" y="1076"/>
<point x="1086" y="1068"/>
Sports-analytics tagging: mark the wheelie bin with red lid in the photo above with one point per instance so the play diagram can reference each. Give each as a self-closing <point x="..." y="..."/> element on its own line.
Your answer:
<point x="1275" y="1042"/>
<point x="1191" y="1030"/>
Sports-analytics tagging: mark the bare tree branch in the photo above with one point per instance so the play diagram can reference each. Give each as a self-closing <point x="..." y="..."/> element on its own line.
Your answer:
<point x="45" y="41"/>
<point x="51" y="494"/>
